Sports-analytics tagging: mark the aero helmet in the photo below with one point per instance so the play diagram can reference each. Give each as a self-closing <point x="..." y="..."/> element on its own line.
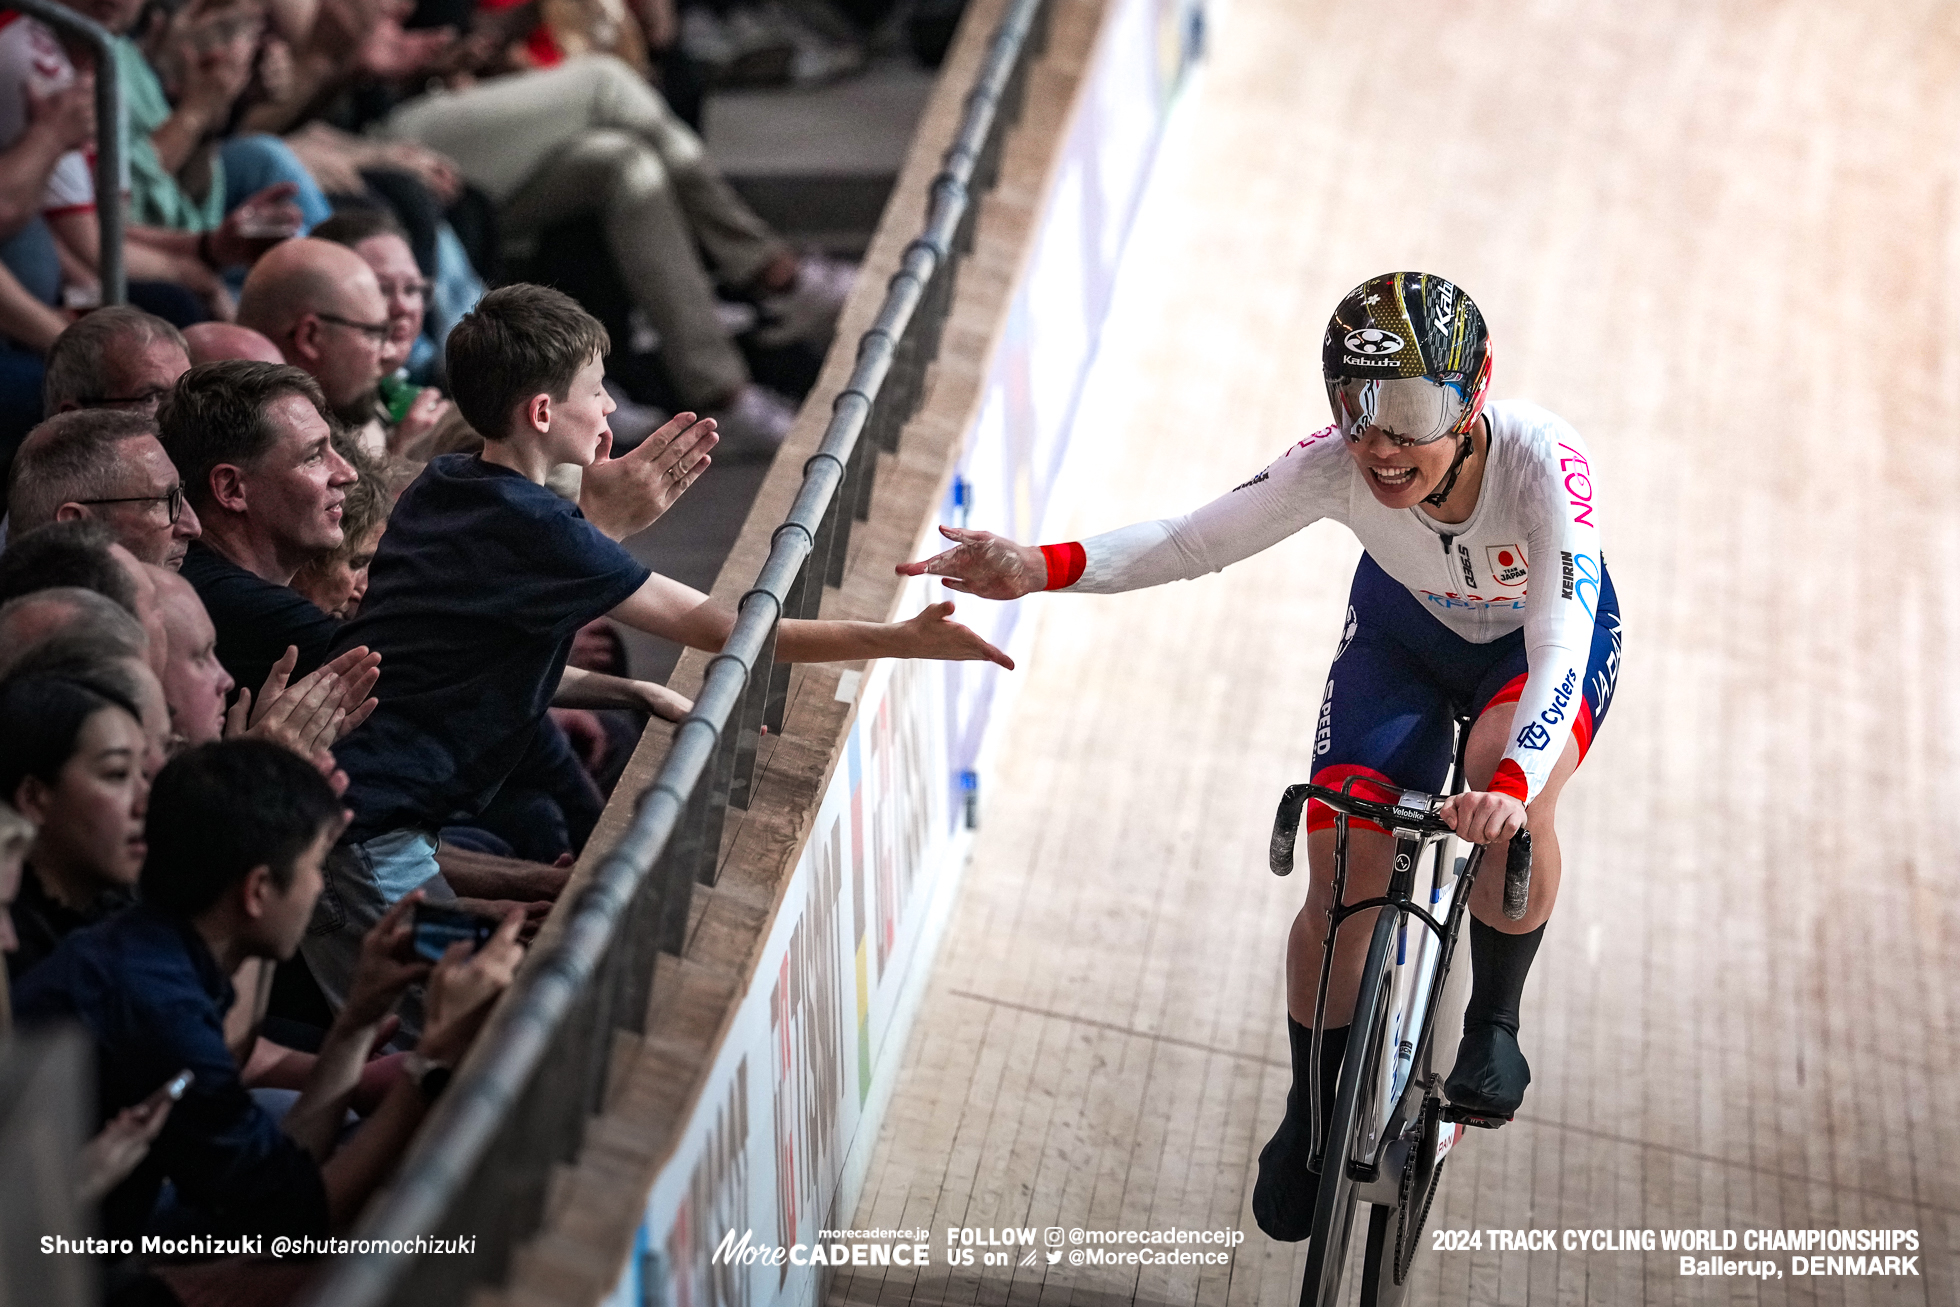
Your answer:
<point x="1407" y="352"/>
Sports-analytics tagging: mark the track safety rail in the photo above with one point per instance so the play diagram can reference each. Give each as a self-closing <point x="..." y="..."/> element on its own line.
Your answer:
<point x="481" y="1162"/>
<point x="111" y="139"/>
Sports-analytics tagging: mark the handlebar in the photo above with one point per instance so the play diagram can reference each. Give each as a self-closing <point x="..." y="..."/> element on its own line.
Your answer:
<point x="1414" y="813"/>
<point x="1421" y="821"/>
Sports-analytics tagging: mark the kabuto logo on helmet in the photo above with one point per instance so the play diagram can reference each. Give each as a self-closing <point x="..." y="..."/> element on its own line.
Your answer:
<point x="1373" y="340"/>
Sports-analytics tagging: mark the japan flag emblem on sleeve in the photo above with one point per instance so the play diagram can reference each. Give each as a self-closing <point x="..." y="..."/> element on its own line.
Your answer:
<point x="1507" y="565"/>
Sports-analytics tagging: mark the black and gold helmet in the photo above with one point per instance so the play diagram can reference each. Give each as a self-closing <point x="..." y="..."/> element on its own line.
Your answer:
<point x="1409" y="353"/>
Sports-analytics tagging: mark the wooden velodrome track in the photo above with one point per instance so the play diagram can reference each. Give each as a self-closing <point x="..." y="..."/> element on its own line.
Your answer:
<point x="1723" y="241"/>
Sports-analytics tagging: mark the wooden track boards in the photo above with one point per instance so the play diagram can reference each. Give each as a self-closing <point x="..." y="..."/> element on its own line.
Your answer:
<point x="1722" y="240"/>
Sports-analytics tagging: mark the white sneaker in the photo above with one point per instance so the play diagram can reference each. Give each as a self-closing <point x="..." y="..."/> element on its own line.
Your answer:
<point x="807" y="311"/>
<point x="753" y="424"/>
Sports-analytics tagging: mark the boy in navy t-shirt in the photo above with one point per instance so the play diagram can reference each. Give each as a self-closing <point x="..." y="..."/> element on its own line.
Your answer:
<point x="483" y="579"/>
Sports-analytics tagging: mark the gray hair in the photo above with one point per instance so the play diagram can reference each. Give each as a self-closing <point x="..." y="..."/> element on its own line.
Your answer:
<point x="70" y="457"/>
<point x="77" y="361"/>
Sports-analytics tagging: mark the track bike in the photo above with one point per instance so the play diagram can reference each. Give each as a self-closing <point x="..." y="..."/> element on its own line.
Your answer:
<point x="1390" y="1130"/>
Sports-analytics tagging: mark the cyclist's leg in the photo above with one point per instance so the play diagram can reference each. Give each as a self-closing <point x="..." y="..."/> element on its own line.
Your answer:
<point x="1491" y="1074"/>
<point x="1379" y="718"/>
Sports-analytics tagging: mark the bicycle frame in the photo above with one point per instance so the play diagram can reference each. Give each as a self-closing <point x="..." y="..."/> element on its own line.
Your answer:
<point x="1411" y="1003"/>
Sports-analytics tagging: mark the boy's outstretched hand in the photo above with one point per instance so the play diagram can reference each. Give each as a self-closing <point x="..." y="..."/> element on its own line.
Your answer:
<point x="984" y="564"/>
<point x="624" y="496"/>
<point x="932" y="635"/>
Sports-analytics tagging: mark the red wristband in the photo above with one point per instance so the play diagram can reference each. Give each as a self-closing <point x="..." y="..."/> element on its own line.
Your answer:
<point x="1065" y="564"/>
<point x="1510" y="780"/>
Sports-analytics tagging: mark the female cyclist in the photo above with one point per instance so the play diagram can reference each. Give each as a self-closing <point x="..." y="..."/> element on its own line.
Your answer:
<point x="1482" y="592"/>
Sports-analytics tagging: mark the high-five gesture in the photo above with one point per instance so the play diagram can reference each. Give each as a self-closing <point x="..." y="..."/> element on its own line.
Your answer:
<point x="622" y="496"/>
<point x="933" y="634"/>
<point x="984" y="564"/>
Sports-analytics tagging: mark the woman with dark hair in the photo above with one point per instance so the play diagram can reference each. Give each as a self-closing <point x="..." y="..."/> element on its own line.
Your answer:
<point x="71" y="762"/>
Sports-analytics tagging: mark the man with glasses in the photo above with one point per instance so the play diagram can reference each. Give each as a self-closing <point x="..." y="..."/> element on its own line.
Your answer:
<point x="320" y="304"/>
<point x="114" y="358"/>
<point x="107" y="464"/>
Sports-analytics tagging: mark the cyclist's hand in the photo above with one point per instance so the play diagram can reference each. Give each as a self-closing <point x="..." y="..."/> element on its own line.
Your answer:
<point x="984" y="564"/>
<point x="1483" y="818"/>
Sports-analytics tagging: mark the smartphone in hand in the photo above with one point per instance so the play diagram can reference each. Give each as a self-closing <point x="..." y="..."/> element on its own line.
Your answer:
<point x="169" y="1091"/>
<point x="437" y="927"/>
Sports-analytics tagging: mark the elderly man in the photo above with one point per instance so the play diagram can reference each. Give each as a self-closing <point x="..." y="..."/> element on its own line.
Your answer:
<point x="214" y="342"/>
<point x="320" y="304"/>
<point x="118" y="357"/>
<point x="66" y="610"/>
<point x="85" y="554"/>
<point x="106" y="464"/>
<point x="255" y="446"/>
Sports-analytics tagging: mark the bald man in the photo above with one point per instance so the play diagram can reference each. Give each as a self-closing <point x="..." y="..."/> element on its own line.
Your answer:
<point x="195" y="683"/>
<point x="214" y="342"/>
<point x="320" y="304"/>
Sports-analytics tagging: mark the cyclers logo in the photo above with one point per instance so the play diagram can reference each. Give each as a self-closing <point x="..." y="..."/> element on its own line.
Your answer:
<point x="1533" y="736"/>
<point x="1561" y="699"/>
<point x="1373" y="340"/>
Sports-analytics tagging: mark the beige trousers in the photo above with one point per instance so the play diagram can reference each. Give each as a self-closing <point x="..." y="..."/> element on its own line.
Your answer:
<point x="590" y="136"/>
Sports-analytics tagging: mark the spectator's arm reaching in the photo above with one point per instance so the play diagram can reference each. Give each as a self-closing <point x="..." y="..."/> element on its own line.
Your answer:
<point x="578" y="688"/>
<point x="666" y="608"/>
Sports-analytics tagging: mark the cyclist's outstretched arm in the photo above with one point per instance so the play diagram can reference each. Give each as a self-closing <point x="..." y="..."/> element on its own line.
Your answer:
<point x="1303" y="485"/>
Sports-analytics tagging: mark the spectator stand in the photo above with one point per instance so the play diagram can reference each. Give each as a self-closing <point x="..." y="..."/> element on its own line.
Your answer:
<point x="110" y="146"/>
<point x="517" y="1108"/>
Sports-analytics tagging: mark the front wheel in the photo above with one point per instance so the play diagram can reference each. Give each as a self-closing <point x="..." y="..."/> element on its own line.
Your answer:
<point x="1394" y="1235"/>
<point x="1334" y="1203"/>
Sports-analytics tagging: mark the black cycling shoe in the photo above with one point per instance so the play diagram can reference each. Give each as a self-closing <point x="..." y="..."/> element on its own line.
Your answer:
<point x="1283" y="1195"/>
<point x="1489" y="1078"/>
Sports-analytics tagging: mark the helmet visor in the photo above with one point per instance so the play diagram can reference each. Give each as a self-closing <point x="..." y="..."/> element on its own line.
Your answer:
<point x="1409" y="410"/>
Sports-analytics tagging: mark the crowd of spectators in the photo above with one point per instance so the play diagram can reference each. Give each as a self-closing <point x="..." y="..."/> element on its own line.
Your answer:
<point x="444" y="143"/>
<point x="312" y="553"/>
<point x="253" y="676"/>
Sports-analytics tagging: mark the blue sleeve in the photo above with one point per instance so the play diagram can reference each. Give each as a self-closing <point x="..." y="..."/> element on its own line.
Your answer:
<point x="231" y="1164"/>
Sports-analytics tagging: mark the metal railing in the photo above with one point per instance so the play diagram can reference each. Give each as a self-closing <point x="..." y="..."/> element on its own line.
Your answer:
<point x="111" y="139"/>
<point x="519" y="1103"/>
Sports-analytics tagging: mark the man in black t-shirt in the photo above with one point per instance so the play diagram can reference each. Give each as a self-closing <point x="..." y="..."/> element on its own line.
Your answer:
<point x="254" y="444"/>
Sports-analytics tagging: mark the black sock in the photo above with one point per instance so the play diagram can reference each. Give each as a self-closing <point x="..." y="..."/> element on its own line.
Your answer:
<point x="1283" y="1196"/>
<point x="1498" y="965"/>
